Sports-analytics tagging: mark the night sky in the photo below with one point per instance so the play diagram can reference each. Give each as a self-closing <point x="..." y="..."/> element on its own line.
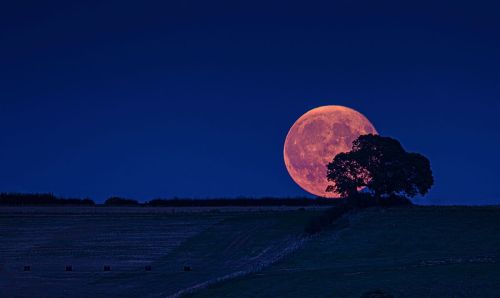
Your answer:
<point x="152" y="99"/>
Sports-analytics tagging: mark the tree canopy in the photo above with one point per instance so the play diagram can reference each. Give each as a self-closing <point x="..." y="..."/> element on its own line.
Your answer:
<point x="381" y="165"/>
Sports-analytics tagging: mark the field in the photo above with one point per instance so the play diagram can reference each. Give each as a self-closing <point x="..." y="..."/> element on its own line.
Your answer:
<point x="410" y="252"/>
<point x="213" y="242"/>
<point x="248" y="252"/>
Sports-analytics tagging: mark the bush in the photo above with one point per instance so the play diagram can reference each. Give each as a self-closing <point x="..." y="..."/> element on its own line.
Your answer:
<point x="117" y="201"/>
<point x="365" y="200"/>
<point x="394" y="201"/>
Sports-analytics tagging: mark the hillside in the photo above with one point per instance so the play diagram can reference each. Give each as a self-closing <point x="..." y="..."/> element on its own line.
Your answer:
<point x="410" y="252"/>
<point x="251" y="252"/>
<point x="213" y="242"/>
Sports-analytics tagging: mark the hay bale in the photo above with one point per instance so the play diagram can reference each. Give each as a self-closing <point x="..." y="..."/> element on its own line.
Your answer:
<point x="377" y="294"/>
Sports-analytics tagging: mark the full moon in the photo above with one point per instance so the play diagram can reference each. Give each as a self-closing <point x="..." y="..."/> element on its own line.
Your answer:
<point x="314" y="140"/>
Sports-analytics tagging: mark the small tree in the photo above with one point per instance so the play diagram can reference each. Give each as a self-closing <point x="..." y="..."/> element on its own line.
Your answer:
<point x="381" y="165"/>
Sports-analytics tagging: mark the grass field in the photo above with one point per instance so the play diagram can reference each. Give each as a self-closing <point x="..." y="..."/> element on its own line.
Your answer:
<point x="238" y="252"/>
<point x="213" y="242"/>
<point x="410" y="252"/>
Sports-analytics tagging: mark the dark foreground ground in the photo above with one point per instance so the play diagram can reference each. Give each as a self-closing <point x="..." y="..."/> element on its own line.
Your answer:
<point x="214" y="242"/>
<point x="416" y="252"/>
<point x="409" y="252"/>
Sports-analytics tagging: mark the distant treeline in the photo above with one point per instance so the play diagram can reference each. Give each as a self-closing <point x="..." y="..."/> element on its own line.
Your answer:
<point x="244" y="202"/>
<point x="22" y="199"/>
<point x="117" y="201"/>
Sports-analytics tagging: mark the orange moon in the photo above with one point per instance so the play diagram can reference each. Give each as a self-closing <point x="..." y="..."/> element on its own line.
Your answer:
<point x="314" y="140"/>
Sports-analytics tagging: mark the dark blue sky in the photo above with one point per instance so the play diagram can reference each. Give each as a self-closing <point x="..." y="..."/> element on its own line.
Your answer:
<point x="194" y="98"/>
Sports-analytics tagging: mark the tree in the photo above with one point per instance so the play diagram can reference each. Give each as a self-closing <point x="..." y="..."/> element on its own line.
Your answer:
<point x="382" y="166"/>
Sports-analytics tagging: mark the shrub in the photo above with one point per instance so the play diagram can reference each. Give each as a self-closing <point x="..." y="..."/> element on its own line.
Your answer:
<point x="394" y="201"/>
<point x="365" y="200"/>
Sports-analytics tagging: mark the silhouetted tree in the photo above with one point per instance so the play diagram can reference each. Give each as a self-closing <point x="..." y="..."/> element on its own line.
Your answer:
<point x="381" y="165"/>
